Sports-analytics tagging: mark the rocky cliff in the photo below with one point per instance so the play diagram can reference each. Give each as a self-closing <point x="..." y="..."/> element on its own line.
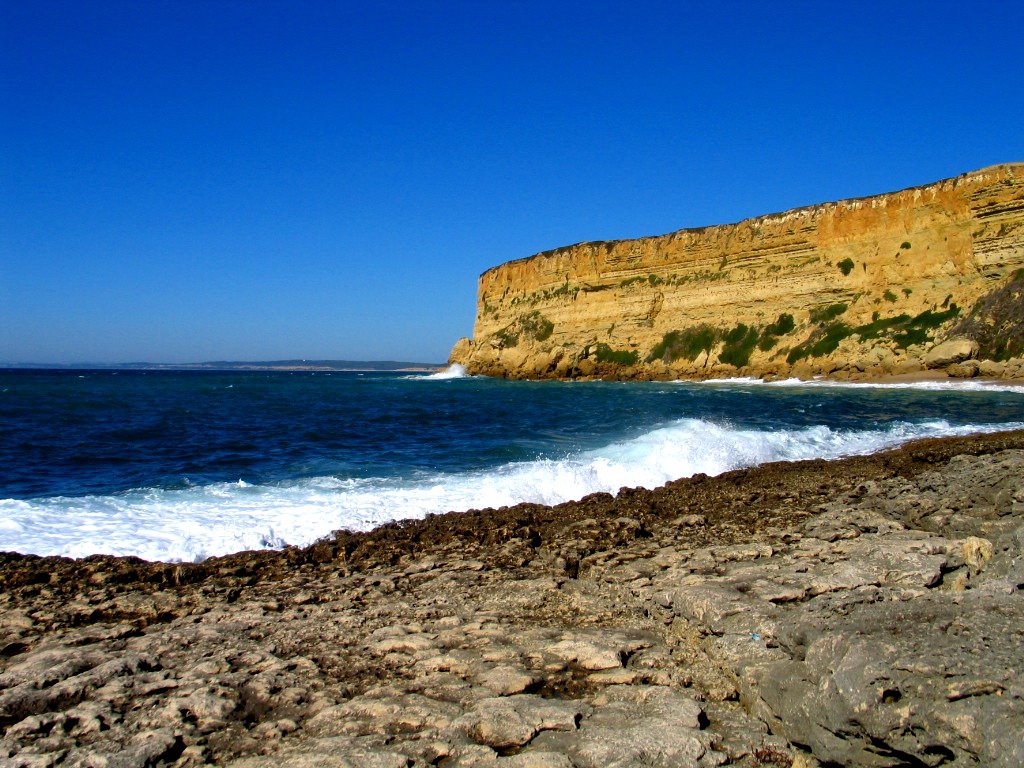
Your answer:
<point x="928" y="277"/>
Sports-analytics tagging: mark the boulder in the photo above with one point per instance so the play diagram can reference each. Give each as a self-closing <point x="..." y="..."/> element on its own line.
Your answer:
<point x="990" y="368"/>
<point x="965" y="370"/>
<point x="949" y="352"/>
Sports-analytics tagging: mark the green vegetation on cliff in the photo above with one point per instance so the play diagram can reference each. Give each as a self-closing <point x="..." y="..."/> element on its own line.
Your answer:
<point x="538" y="326"/>
<point x="825" y="314"/>
<point x="533" y="325"/>
<point x="822" y="342"/>
<point x="507" y="337"/>
<point x="770" y="336"/>
<point x="687" y="343"/>
<point x="606" y="354"/>
<point x="996" y="321"/>
<point x="739" y="343"/>
<point x="903" y="330"/>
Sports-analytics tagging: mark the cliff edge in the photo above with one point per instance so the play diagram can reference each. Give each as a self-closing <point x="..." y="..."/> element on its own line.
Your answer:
<point x="928" y="278"/>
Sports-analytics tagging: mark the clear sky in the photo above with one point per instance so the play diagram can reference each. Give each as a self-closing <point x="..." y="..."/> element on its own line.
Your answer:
<point x="263" y="179"/>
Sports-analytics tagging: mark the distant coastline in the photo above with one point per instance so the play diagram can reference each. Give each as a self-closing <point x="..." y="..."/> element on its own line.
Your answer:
<point x="232" y="365"/>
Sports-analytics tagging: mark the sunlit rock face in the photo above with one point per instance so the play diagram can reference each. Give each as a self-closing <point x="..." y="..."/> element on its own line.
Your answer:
<point x="857" y="287"/>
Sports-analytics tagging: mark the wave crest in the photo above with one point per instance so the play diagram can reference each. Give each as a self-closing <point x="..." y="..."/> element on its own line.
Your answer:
<point x="453" y="371"/>
<point x="195" y="522"/>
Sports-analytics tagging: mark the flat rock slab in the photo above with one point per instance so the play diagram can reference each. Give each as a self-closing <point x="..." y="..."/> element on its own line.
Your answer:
<point x="514" y="721"/>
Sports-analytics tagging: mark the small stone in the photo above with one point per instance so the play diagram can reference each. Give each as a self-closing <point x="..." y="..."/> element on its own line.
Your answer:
<point x="976" y="552"/>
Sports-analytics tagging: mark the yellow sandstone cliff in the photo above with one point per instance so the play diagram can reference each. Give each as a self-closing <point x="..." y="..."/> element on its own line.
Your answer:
<point x="929" y="277"/>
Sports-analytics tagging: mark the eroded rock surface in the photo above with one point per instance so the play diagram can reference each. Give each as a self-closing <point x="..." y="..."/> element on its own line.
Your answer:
<point x="863" y="287"/>
<point x="859" y="612"/>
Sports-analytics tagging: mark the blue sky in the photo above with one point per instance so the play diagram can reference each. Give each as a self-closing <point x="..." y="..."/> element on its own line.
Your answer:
<point x="186" y="181"/>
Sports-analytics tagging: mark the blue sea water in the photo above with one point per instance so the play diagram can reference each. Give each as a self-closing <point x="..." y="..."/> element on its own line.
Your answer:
<point x="185" y="465"/>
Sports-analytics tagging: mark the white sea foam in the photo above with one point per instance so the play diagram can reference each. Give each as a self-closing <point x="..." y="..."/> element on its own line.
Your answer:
<point x="453" y="371"/>
<point x="196" y="522"/>
<point x="963" y="385"/>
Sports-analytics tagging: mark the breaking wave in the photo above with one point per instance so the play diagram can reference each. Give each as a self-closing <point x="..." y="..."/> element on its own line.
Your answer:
<point x="453" y="371"/>
<point x="196" y="522"/>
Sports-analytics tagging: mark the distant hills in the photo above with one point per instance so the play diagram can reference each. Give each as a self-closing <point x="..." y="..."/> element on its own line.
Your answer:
<point x="235" y="365"/>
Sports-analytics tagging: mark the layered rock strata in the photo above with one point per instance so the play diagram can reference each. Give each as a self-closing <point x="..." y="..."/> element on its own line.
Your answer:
<point x="864" y="612"/>
<point x="858" y="287"/>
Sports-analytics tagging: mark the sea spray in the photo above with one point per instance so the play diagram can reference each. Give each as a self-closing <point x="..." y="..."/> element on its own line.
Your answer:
<point x="453" y="371"/>
<point x="182" y="466"/>
<point x="192" y="523"/>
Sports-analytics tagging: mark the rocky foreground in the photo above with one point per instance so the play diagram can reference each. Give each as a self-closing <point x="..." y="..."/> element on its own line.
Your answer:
<point x="858" y="612"/>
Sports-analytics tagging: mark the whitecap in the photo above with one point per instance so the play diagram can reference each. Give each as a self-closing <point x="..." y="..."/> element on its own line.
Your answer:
<point x="453" y="371"/>
<point x="195" y="522"/>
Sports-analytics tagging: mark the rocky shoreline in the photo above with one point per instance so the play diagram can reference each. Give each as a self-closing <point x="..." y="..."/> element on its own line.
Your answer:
<point x="866" y="611"/>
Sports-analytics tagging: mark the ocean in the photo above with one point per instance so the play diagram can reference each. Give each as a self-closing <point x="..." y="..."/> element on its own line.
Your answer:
<point x="180" y="466"/>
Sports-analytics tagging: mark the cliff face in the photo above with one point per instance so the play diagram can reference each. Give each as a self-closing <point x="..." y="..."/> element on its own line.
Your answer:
<point x="927" y="277"/>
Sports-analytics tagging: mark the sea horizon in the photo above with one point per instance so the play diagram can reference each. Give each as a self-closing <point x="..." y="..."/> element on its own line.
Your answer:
<point x="298" y="364"/>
